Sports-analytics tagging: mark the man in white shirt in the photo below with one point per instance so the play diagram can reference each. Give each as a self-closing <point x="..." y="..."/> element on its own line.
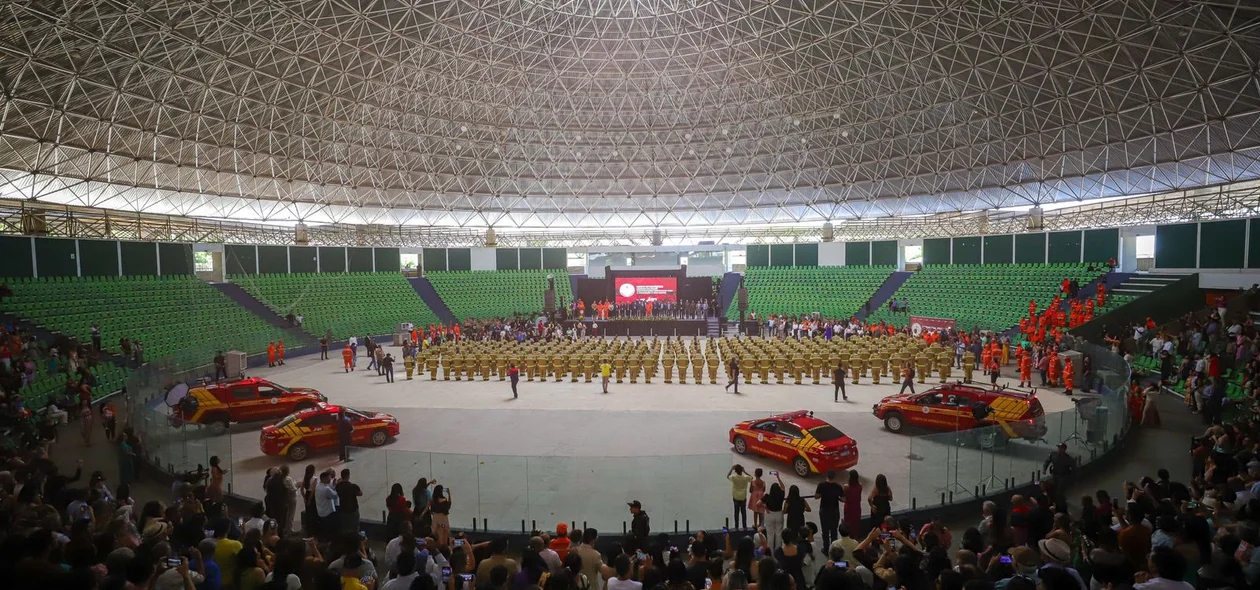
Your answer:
<point x="405" y="565"/>
<point x="1170" y="572"/>
<point x="326" y="501"/>
<point x="549" y="556"/>
<point x="622" y="580"/>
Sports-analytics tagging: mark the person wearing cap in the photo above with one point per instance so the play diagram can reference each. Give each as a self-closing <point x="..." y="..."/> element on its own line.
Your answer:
<point x="1024" y="561"/>
<point x="639" y="526"/>
<point x="1056" y="553"/>
<point x="560" y="544"/>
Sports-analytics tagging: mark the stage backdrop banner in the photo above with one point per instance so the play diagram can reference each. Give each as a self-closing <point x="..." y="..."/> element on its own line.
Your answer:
<point x="645" y="289"/>
<point x="919" y="323"/>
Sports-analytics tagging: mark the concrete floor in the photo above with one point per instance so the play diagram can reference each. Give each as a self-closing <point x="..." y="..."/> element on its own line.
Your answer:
<point x="566" y="451"/>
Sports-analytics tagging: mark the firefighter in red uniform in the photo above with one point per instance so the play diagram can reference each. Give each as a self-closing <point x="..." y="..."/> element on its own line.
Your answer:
<point x="1053" y="381"/>
<point x="455" y="331"/>
<point x="1102" y="295"/>
<point x="347" y="357"/>
<point x="271" y="354"/>
<point x="986" y="354"/>
<point x="1069" y="376"/>
<point x="280" y="352"/>
<point x="415" y="335"/>
<point x="1032" y="308"/>
<point x="1025" y="368"/>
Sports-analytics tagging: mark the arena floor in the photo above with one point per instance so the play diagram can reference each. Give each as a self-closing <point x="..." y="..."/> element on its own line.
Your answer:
<point x="567" y="452"/>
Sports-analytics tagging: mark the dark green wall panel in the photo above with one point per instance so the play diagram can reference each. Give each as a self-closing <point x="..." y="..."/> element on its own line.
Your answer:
<point x="271" y="259"/>
<point x="387" y="259"/>
<point x="1101" y="245"/>
<point x="807" y="255"/>
<point x="1175" y="245"/>
<point x="55" y="257"/>
<point x="936" y="251"/>
<point x="16" y="261"/>
<point x="434" y="259"/>
<point x="555" y="258"/>
<point x="1222" y="244"/>
<point x="176" y="259"/>
<point x="1030" y="248"/>
<point x="458" y="259"/>
<point x="884" y="253"/>
<point x="998" y="249"/>
<point x="857" y="253"/>
<point x="1065" y="247"/>
<point x="781" y="255"/>
<point x="966" y="250"/>
<point x="531" y="258"/>
<point x="507" y="259"/>
<point x="758" y="255"/>
<point x="140" y="258"/>
<point x="302" y="259"/>
<point x="1253" y="248"/>
<point x="332" y="259"/>
<point x="98" y="258"/>
<point x="359" y="259"/>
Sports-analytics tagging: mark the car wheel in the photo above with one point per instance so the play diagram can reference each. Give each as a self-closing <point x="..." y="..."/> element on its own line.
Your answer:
<point x="741" y="445"/>
<point x="801" y="466"/>
<point x="299" y="451"/>
<point x="379" y="437"/>
<point x="894" y="422"/>
<point x="219" y="425"/>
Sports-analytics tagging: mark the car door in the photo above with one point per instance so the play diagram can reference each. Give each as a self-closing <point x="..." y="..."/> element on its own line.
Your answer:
<point x="362" y="433"/>
<point x="762" y="439"/>
<point x="960" y="406"/>
<point x="320" y="431"/>
<point x="787" y="441"/>
<point x="271" y="402"/>
<point x="242" y="402"/>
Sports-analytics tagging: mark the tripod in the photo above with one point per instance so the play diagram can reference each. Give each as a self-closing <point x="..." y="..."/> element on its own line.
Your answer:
<point x="1080" y="416"/>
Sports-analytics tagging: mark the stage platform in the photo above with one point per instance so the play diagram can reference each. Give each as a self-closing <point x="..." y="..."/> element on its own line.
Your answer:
<point x="646" y="327"/>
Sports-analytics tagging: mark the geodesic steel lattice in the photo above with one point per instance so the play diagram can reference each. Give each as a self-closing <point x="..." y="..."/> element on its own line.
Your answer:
<point x="583" y="113"/>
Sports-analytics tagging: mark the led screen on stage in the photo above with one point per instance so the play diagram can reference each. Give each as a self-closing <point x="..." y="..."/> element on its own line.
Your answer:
<point x="643" y="289"/>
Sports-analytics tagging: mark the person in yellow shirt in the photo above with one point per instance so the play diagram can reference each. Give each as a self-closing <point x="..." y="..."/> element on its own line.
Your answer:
<point x="605" y="371"/>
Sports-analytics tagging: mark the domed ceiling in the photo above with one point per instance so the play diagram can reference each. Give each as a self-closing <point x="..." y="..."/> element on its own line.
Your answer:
<point x="640" y="113"/>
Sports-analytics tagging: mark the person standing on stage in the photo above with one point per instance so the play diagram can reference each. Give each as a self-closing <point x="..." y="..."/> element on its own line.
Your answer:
<point x="514" y="374"/>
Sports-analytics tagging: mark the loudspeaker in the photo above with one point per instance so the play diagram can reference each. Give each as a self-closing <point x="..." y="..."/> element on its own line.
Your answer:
<point x="742" y="299"/>
<point x="549" y="301"/>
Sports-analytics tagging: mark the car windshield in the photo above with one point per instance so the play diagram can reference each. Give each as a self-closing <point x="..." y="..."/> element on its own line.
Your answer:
<point x="291" y="418"/>
<point x="826" y="433"/>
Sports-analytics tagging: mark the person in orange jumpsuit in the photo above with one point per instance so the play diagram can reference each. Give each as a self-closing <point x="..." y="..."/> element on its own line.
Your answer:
<point x="271" y="354"/>
<point x="347" y="357"/>
<point x="1025" y="368"/>
<point x="1053" y="377"/>
<point x="415" y="335"/>
<point x="1032" y="308"/>
<point x="455" y="330"/>
<point x="280" y="352"/>
<point x="986" y="354"/>
<point x="1102" y="295"/>
<point x="1069" y="376"/>
<point x="1137" y="400"/>
<point x="648" y="308"/>
<point x="1089" y="307"/>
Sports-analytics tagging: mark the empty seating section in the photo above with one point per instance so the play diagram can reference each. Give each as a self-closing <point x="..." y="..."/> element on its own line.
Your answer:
<point x="988" y="296"/>
<point x="349" y="304"/>
<point x="833" y="291"/>
<point x="174" y="317"/>
<point x="497" y="293"/>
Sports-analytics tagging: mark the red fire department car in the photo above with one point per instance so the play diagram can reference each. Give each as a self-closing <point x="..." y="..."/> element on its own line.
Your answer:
<point x="954" y="406"/>
<point x="809" y="444"/>
<point x="315" y="429"/>
<point x="240" y="400"/>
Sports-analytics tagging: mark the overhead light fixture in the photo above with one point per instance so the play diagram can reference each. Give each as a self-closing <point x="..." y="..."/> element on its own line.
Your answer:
<point x="844" y="133"/>
<point x="463" y="128"/>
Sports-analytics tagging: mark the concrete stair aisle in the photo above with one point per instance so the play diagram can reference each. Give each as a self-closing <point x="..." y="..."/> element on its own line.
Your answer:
<point x="430" y="297"/>
<point x="884" y="292"/>
<point x="729" y="287"/>
<point x="714" y="327"/>
<point x="1140" y="284"/>
<point x="258" y="308"/>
